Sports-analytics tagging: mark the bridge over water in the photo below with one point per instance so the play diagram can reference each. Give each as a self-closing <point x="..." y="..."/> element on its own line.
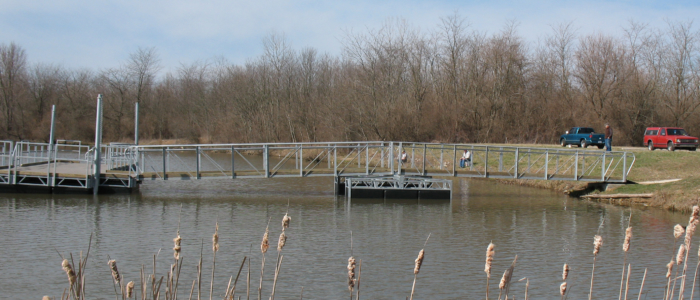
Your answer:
<point x="125" y="166"/>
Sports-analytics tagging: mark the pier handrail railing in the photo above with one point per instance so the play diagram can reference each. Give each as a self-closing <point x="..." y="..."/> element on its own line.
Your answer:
<point x="264" y="160"/>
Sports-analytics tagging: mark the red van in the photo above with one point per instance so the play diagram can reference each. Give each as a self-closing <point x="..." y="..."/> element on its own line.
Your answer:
<point x="670" y="138"/>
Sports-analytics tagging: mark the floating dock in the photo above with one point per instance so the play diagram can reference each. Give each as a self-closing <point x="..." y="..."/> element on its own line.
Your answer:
<point x="395" y="187"/>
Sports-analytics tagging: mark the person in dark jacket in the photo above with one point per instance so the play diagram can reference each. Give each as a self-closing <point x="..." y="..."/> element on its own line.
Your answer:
<point x="608" y="137"/>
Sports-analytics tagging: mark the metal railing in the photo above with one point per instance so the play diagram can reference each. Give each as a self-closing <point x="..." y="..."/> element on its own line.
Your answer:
<point x="265" y="160"/>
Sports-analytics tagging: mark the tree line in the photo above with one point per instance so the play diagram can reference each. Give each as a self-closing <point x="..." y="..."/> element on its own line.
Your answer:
<point x="450" y="84"/>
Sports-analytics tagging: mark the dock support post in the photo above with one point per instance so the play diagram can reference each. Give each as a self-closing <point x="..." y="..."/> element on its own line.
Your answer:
<point x="266" y="160"/>
<point x="367" y="159"/>
<point x="50" y="181"/>
<point x="233" y="160"/>
<point x="425" y="155"/>
<point x="624" y="167"/>
<point x="400" y="160"/>
<point x="335" y="160"/>
<point x="441" y="157"/>
<point x="486" y="162"/>
<point x="136" y="124"/>
<point x="301" y="161"/>
<point x="381" y="156"/>
<point x="165" y="169"/>
<point x="500" y="159"/>
<point x="546" y="164"/>
<point x="517" y="153"/>
<point x="602" y="168"/>
<point x="98" y="142"/>
<point x="576" y="167"/>
<point x="454" y="159"/>
<point x="199" y="162"/>
<point x="391" y="158"/>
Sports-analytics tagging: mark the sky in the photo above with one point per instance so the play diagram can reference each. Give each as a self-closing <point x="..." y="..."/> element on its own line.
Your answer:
<point x="101" y="34"/>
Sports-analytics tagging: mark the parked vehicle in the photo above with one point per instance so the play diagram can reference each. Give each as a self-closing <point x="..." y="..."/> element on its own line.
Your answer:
<point x="671" y="138"/>
<point x="583" y="137"/>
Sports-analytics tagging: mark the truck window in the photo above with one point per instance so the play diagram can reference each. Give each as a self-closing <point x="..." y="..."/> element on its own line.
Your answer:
<point x="651" y="132"/>
<point x="586" y="130"/>
<point x="663" y="131"/>
<point x="572" y="130"/>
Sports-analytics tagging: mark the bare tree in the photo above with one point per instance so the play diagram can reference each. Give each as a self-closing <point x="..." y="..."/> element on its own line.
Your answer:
<point x="13" y="60"/>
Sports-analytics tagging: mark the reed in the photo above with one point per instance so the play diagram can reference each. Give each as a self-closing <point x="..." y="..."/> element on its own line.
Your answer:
<point x="680" y="256"/>
<point x="689" y="231"/>
<point x="264" y="245"/>
<point x="214" y="248"/>
<point x="116" y="277"/>
<point x="565" y="272"/>
<point x="627" y="283"/>
<point x="641" y="288"/>
<point x="625" y="249"/>
<point x="487" y="267"/>
<point x="692" y="291"/>
<point x="597" y="244"/>
<point x="351" y="275"/>
<point x="562" y="289"/>
<point x="130" y="289"/>
<point x="669" y="272"/>
<point x="417" y="265"/>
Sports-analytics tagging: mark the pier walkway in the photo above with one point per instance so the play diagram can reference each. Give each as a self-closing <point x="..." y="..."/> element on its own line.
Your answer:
<point x="124" y="166"/>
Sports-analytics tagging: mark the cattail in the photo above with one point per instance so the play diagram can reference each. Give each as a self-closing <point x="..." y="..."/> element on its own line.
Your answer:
<point x="681" y="255"/>
<point x="502" y="284"/>
<point x="565" y="273"/>
<point x="215" y="239"/>
<point x="351" y="273"/>
<point x="46" y="298"/>
<point x="678" y="231"/>
<point x="628" y="237"/>
<point x="669" y="268"/>
<point x="696" y="213"/>
<point x="281" y="241"/>
<point x="597" y="243"/>
<point x="129" y="289"/>
<point x="115" y="272"/>
<point x="562" y="288"/>
<point x="489" y="259"/>
<point x="285" y="221"/>
<point x="689" y="231"/>
<point x="177" y="248"/>
<point x="69" y="271"/>
<point x="265" y="242"/>
<point x="419" y="261"/>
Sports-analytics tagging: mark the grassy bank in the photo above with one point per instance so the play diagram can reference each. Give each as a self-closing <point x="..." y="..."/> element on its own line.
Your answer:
<point x="650" y="166"/>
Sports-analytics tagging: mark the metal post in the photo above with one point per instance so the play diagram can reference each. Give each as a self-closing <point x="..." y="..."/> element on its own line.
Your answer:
<point x="576" y="167"/>
<point x="51" y="145"/>
<point x="500" y="160"/>
<point x="301" y="160"/>
<point x="602" y="169"/>
<point x="266" y="160"/>
<point x="441" y="158"/>
<point x="366" y="159"/>
<point x="233" y="160"/>
<point x="517" y="153"/>
<point x="329" y="156"/>
<point x="486" y="162"/>
<point x="400" y="158"/>
<point x="425" y="155"/>
<point x="136" y="124"/>
<point x="199" y="162"/>
<point x="359" y="158"/>
<point x="546" y="164"/>
<point x="391" y="157"/>
<point x="165" y="170"/>
<point x="381" y="156"/>
<point x="335" y="160"/>
<point x="98" y="142"/>
<point x="624" y="167"/>
<point x="413" y="156"/>
<point x="454" y="159"/>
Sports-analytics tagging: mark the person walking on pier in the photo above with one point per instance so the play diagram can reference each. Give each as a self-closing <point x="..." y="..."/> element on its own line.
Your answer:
<point x="404" y="157"/>
<point x="608" y="137"/>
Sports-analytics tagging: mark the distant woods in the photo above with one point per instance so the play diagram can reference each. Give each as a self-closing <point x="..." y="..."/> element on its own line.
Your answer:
<point x="451" y="84"/>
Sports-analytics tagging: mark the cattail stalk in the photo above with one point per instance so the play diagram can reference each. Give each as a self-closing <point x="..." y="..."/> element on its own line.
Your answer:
<point x="357" y="285"/>
<point x="565" y="272"/>
<point x="562" y="290"/>
<point x="116" y="277"/>
<point x="641" y="288"/>
<point x="416" y="269"/>
<point x="264" y="245"/>
<point x="214" y="248"/>
<point x="351" y="275"/>
<point x="689" y="231"/>
<point x="129" y="289"/>
<point x="627" y="284"/>
<point x="692" y="291"/>
<point x="669" y="271"/>
<point x="679" y="260"/>
<point x="625" y="248"/>
<point x="487" y="268"/>
<point x="274" y="282"/>
<point x="597" y="244"/>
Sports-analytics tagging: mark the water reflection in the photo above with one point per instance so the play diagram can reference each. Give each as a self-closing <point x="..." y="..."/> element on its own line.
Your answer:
<point x="543" y="228"/>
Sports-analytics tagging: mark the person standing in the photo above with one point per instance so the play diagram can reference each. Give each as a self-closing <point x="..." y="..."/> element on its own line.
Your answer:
<point x="608" y="137"/>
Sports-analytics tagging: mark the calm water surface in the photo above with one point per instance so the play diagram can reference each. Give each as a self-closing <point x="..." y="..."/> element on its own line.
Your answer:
<point x="543" y="228"/>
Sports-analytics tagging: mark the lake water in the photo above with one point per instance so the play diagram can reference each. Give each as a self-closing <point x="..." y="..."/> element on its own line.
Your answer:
<point x="545" y="229"/>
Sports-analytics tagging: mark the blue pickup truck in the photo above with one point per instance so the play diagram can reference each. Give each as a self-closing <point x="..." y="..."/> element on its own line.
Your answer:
<point x="583" y="137"/>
